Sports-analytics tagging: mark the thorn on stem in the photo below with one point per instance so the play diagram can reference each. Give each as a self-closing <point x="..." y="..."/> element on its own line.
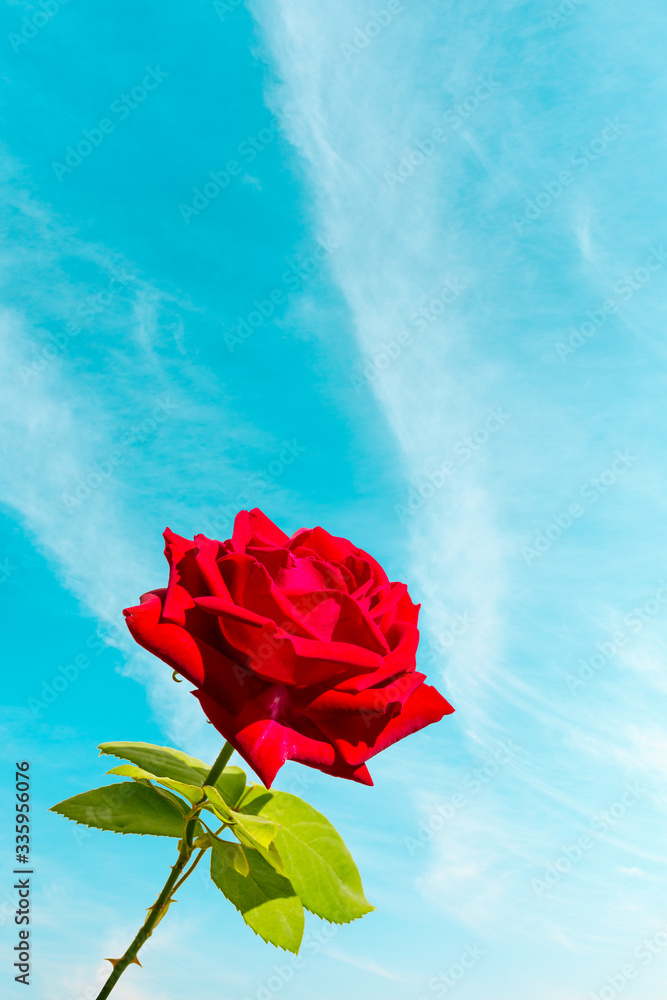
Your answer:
<point x="115" y="961"/>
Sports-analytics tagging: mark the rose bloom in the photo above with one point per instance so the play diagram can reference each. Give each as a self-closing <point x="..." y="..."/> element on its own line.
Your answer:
<point x="299" y="648"/>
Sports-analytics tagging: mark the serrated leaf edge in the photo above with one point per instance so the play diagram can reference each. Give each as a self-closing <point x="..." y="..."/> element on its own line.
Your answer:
<point x="103" y="829"/>
<point x="259" y="933"/>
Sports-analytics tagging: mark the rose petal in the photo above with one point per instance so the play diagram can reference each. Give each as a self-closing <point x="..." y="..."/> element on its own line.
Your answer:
<point x="264" y="527"/>
<point x="200" y="663"/>
<point x="329" y="547"/>
<point x="364" y="567"/>
<point x="278" y="656"/>
<point x="227" y="609"/>
<point x="407" y="611"/>
<point x="208" y="553"/>
<point x="388" y="599"/>
<point x="262" y="741"/>
<point x="422" y="708"/>
<point x="313" y="661"/>
<point x="251" y="587"/>
<point x="375" y="699"/>
<point x="332" y="615"/>
<point x="185" y="580"/>
<point x="340" y="769"/>
<point x="240" y="531"/>
<point x="365" y="736"/>
<point x="404" y="640"/>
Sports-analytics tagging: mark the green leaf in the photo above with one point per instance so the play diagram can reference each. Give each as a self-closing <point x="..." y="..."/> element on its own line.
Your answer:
<point x="128" y="807"/>
<point x="270" y="853"/>
<point x="160" y="761"/>
<point x="254" y="798"/>
<point x="314" y="856"/>
<point x="192" y="793"/>
<point x="265" y="899"/>
<point x="247" y="830"/>
<point x="230" y="854"/>
<point x="218" y="804"/>
<point x="260" y="829"/>
<point x="231" y="784"/>
<point x="165" y="762"/>
<point x="250" y="830"/>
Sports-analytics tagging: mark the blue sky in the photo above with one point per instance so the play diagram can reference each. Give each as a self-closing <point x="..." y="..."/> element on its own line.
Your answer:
<point x="458" y="212"/>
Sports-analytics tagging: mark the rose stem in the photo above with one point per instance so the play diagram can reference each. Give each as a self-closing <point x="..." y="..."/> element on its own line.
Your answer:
<point x="157" y="910"/>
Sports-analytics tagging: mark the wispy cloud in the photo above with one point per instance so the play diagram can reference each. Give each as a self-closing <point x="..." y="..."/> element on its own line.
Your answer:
<point x="412" y="209"/>
<point x="351" y="124"/>
<point x="97" y="465"/>
<point x="366" y="965"/>
<point x="431" y="144"/>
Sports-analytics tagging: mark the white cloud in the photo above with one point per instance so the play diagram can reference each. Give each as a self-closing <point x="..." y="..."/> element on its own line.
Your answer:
<point x="353" y="121"/>
<point x="88" y="466"/>
<point x="366" y="965"/>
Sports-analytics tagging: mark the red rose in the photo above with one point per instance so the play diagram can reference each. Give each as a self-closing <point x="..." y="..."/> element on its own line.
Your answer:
<point x="299" y="648"/>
